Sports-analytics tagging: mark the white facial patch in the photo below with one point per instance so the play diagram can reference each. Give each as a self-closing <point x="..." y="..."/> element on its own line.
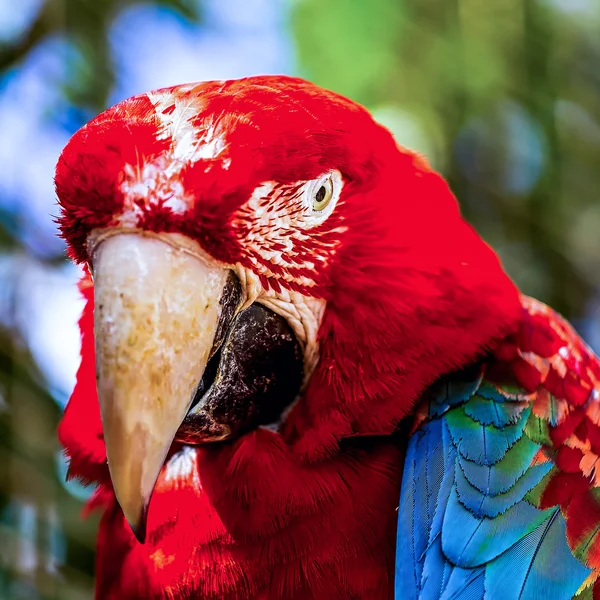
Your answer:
<point x="275" y="225"/>
<point x="190" y="141"/>
<point x="153" y="183"/>
<point x="158" y="182"/>
<point x="279" y="231"/>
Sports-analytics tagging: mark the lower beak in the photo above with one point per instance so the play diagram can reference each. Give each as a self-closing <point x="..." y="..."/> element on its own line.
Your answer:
<point x="157" y="310"/>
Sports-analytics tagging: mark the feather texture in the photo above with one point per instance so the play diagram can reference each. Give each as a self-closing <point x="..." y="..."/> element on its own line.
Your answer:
<point x="517" y="512"/>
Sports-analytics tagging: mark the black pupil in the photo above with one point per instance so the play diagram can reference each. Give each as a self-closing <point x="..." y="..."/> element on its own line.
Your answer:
<point x="321" y="194"/>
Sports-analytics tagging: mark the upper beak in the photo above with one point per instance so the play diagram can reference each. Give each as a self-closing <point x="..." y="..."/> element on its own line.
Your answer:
<point x="157" y="310"/>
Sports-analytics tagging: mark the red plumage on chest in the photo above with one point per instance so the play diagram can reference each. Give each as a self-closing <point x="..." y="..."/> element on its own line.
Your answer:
<point x="247" y="521"/>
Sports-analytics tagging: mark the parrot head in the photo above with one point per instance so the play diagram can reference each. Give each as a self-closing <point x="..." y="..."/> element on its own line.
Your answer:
<point x="264" y="254"/>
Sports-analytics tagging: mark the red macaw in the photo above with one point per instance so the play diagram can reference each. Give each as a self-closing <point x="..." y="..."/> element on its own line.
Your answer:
<point x="304" y="376"/>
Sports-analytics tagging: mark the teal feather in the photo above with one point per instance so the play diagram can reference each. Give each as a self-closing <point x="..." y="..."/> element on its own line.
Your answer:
<point x="498" y="414"/>
<point x="451" y="392"/>
<point x="469" y="541"/>
<point x="483" y="505"/>
<point x="483" y="444"/>
<point x="500" y="477"/>
<point x="495" y="394"/>
<point x="540" y="565"/>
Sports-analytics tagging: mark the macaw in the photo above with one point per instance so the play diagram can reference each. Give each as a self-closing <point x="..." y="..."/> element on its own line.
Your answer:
<point x="303" y="375"/>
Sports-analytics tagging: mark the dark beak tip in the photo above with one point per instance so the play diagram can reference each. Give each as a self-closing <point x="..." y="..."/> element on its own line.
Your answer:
<point x="139" y="530"/>
<point x="138" y="525"/>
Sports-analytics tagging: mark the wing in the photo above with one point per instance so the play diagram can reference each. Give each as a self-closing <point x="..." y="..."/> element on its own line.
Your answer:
<point x="501" y="488"/>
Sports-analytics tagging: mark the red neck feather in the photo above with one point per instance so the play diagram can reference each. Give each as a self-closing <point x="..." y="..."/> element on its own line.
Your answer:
<point x="417" y="294"/>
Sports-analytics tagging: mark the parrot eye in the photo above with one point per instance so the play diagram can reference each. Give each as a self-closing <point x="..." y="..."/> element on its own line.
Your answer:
<point x="322" y="194"/>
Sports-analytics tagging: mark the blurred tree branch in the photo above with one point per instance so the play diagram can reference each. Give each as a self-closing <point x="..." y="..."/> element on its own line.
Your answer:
<point x="86" y="24"/>
<point x="48" y="21"/>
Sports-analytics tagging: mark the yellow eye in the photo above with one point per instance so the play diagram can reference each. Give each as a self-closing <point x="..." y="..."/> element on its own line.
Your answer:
<point x="322" y="193"/>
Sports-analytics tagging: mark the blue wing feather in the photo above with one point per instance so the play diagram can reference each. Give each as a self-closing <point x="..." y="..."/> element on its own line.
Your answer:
<point x="483" y="444"/>
<point x="466" y="530"/>
<point x="466" y="584"/>
<point x="498" y="414"/>
<point x="539" y="566"/>
<point x="424" y="464"/>
<point x="436" y="569"/>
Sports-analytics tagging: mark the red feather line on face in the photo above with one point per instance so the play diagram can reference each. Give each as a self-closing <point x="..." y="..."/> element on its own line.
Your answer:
<point x="280" y="244"/>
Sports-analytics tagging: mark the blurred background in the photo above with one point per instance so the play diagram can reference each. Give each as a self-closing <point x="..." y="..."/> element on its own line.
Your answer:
<point x="501" y="95"/>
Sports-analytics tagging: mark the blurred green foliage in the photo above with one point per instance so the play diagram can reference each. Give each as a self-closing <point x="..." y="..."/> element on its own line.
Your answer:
<point x="502" y="95"/>
<point x="40" y="520"/>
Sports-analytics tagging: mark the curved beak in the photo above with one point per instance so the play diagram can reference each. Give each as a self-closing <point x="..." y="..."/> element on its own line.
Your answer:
<point x="157" y="310"/>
